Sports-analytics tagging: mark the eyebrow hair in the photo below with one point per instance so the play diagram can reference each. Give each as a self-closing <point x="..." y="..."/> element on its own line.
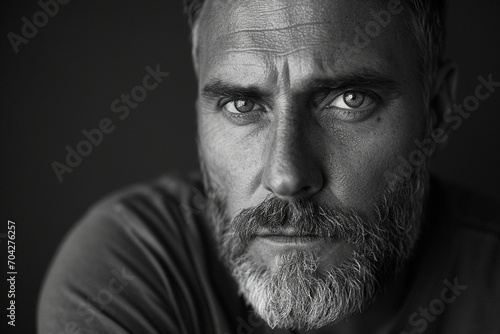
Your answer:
<point x="364" y="79"/>
<point x="219" y="88"/>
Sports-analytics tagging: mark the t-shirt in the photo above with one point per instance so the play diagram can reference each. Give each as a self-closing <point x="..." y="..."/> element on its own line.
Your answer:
<point x="143" y="261"/>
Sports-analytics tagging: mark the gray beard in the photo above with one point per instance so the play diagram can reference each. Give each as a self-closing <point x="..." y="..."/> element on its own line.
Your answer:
<point x="299" y="294"/>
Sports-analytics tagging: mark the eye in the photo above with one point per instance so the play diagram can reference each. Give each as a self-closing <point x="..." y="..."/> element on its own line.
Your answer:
<point x="351" y="100"/>
<point x="240" y="106"/>
<point x="242" y="111"/>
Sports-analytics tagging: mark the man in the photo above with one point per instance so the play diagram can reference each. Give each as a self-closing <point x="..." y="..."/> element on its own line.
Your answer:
<point x="316" y="122"/>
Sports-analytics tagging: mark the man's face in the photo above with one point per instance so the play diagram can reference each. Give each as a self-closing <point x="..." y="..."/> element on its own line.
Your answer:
<point x="297" y="130"/>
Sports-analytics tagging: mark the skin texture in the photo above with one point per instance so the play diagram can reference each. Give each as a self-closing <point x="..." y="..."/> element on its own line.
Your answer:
<point x="284" y="60"/>
<point x="293" y="148"/>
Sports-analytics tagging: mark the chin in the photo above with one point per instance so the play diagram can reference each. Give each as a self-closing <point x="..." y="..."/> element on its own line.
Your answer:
<point x="299" y="293"/>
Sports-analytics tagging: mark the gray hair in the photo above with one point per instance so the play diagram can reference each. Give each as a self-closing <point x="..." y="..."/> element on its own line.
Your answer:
<point x="426" y="23"/>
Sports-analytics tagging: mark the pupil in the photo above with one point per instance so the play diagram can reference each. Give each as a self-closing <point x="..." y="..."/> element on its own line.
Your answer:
<point x="354" y="100"/>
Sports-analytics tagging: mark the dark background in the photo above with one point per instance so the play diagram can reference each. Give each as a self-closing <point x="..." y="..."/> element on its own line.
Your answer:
<point x="64" y="79"/>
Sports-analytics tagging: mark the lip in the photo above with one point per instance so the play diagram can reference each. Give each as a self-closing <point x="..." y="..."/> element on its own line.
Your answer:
<point x="285" y="232"/>
<point x="290" y="240"/>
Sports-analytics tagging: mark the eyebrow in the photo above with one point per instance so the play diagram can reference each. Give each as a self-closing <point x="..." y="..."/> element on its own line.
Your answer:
<point x="219" y="88"/>
<point x="364" y="79"/>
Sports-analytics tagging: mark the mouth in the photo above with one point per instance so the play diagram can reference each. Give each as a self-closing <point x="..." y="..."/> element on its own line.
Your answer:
<point x="266" y="246"/>
<point x="289" y="237"/>
<point x="286" y="232"/>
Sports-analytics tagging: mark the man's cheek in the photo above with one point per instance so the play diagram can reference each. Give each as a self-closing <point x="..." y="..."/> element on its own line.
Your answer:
<point x="356" y="185"/>
<point x="233" y="160"/>
<point x="357" y="174"/>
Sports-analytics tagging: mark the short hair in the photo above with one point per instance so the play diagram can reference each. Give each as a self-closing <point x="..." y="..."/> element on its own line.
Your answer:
<point x="426" y="23"/>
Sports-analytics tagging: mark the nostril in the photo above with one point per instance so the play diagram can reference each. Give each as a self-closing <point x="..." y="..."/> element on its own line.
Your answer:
<point x="292" y="184"/>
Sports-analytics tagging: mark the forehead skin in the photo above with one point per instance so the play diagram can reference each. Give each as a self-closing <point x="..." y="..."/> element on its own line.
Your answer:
<point x="250" y="34"/>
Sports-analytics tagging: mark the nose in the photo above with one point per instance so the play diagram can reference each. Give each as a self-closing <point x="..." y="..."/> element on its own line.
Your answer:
<point x="291" y="168"/>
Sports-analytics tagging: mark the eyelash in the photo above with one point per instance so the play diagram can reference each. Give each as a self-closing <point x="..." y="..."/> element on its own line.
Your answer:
<point x="355" y="114"/>
<point x="243" y="118"/>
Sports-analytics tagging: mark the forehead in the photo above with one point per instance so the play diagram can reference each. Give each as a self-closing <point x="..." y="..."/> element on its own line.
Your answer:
<point x="261" y="37"/>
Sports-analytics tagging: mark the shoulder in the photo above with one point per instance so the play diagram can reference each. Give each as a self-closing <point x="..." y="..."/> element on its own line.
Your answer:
<point x="467" y="225"/>
<point x="164" y="216"/>
<point x="457" y="279"/>
<point x="131" y="263"/>
<point x="471" y="222"/>
<point x="456" y="266"/>
<point x="468" y="222"/>
<point x="168" y="207"/>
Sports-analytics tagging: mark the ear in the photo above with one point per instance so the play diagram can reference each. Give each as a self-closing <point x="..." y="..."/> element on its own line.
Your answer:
<point x="443" y="95"/>
<point x="195" y="47"/>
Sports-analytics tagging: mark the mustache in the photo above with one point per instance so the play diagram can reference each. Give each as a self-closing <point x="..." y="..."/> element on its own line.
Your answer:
<point x="305" y="218"/>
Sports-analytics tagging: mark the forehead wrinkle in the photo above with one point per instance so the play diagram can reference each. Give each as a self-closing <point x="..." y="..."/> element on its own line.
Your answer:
<point x="284" y="8"/>
<point x="260" y="22"/>
<point x="275" y="29"/>
<point x="255" y="15"/>
<point x="269" y="26"/>
<point x="315" y="47"/>
<point x="275" y="52"/>
<point x="280" y="41"/>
